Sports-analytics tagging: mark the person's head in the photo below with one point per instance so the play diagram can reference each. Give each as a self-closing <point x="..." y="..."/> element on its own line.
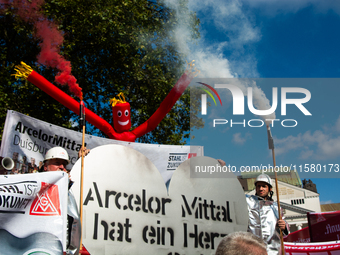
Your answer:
<point x="15" y="156"/>
<point x="15" y="170"/>
<point x="32" y="161"/>
<point x="263" y="185"/>
<point x="56" y="159"/>
<point x="241" y="243"/>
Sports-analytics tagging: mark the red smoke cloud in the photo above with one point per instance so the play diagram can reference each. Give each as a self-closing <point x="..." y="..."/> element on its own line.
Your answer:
<point x="51" y="40"/>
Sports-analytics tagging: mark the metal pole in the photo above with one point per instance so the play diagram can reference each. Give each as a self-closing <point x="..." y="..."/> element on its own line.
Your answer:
<point x="271" y="146"/>
<point x="82" y="123"/>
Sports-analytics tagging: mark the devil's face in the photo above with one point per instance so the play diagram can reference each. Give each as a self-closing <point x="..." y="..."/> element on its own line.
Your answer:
<point x="121" y="117"/>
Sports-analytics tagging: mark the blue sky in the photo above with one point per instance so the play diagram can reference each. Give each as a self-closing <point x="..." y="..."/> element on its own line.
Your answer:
<point x="291" y="40"/>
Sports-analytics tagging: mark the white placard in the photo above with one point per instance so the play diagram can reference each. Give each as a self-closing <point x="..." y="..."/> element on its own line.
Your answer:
<point x="33" y="211"/>
<point x="127" y="209"/>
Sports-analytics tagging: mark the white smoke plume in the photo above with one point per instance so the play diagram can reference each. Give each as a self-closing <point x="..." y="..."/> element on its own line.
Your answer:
<point x="236" y="27"/>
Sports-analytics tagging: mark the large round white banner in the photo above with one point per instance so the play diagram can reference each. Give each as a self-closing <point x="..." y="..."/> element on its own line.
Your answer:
<point x="128" y="210"/>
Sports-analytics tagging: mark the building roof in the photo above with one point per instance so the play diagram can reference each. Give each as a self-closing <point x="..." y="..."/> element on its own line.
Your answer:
<point x="330" y="207"/>
<point x="247" y="179"/>
<point x="295" y="208"/>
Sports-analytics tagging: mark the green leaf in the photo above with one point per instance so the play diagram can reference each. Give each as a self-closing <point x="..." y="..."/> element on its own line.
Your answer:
<point x="113" y="46"/>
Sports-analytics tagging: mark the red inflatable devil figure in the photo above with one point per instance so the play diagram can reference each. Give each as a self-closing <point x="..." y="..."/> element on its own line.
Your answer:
<point x="120" y="108"/>
<point x="121" y="114"/>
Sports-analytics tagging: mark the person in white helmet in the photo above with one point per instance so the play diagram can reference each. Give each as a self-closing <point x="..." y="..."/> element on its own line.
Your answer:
<point x="263" y="215"/>
<point x="56" y="159"/>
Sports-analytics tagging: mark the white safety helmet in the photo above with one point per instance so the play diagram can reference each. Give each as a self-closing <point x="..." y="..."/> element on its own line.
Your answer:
<point x="264" y="178"/>
<point x="57" y="152"/>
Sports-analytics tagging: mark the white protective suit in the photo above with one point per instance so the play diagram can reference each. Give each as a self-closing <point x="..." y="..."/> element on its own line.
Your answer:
<point x="263" y="215"/>
<point x="73" y="226"/>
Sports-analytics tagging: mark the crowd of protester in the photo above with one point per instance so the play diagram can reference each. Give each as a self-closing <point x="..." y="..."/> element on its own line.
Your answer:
<point x="25" y="165"/>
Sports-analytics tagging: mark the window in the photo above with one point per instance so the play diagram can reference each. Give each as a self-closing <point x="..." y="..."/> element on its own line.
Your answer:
<point x="299" y="201"/>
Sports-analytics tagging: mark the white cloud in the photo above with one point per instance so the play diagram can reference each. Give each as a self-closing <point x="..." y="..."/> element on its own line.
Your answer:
<point x="318" y="145"/>
<point x="326" y="202"/>
<point x="235" y="29"/>
<point x="306" y="154"/>
<point x="238" y="139"/>
<point x="230" y="18"/>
